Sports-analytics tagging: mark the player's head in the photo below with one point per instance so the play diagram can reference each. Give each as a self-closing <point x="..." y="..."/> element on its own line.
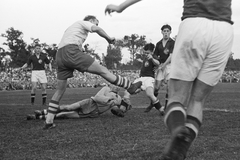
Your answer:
<point x="148" y="48"/>
<point x="37" y="48"/>
<point x="166" y="31"/>
<point x="91" y="19"/>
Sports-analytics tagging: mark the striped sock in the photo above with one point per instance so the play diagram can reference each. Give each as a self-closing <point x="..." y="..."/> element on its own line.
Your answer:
<point x="53" y="107"/>
<point x="122" y="82"/>
<point x="194" y="125"/>
<point x="175" y="116"/>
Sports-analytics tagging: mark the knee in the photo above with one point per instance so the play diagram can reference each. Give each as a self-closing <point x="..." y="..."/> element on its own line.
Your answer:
<point x="177" y="99"/>
<point x="34" y="88"/>
<point x="102" y="71"/>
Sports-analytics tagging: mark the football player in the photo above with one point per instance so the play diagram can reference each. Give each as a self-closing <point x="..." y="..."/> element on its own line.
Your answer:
<point x="104" y="100"/>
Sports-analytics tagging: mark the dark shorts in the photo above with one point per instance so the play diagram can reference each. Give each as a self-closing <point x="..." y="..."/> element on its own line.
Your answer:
<point x="69" y="58"/>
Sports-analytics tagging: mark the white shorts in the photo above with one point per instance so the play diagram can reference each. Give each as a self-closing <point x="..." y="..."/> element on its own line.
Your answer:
<point x="201" y="51"/>
<point x="39" y="76"/>
<point x="146" y="82"/>
<point x="163" y="74"/>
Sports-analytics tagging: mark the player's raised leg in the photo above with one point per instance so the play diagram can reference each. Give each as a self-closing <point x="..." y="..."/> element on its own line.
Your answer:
<point x="117" y="80"/>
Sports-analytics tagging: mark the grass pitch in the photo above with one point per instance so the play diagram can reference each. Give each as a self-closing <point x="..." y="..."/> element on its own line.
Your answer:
<point x="137" y="136"/>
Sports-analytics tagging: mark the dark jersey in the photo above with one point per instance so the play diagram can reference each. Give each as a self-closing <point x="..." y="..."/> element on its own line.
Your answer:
<point x="147" y="69"/>
<point x="38" y="63"/>
<point x="208" y="9"/>
<point x="159" y="50"/>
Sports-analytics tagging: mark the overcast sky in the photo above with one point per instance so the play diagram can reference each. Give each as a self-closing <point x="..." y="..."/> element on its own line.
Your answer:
<point x="48" y="19"/>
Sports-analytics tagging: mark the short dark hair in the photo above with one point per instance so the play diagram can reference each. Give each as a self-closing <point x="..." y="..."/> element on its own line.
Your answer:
<point x="166" y="26"/>
<point x="149" y="47"/>
<point x="89" y="17"/>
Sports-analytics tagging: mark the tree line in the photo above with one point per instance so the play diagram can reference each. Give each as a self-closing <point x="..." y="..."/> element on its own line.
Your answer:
<point x="19" y="51"/>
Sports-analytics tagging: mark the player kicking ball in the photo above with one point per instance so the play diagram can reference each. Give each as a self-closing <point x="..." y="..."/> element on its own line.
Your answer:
<point x="147" y="76"/>
<point x="107" y="98"/>
<point x="70" y="57"/>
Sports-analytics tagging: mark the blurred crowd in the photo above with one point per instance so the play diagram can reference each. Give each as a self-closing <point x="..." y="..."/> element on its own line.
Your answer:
<point x="15" y="79"/>
<point x="230" y="77"/>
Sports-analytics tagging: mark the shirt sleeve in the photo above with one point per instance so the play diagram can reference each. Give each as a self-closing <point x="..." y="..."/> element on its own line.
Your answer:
<point x="29" y="60"/>
<point x="87" y="25"/>
<point x="47" y="61"/>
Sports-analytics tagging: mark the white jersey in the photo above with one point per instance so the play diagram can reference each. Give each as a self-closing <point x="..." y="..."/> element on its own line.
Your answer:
<point x="76" y="33"/>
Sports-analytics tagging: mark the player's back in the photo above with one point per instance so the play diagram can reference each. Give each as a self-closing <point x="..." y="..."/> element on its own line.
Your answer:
<point x="212" y="9"/>
<point x="76" y="33"/>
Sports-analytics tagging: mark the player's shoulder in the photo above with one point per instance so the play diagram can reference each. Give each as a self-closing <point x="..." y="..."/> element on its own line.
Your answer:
<point x="171" y="40"/>
<point x="84" y="25"/>
<point x="159" y="43"/>
<point x="82" y="22"/>
<point x="43" y="55"/>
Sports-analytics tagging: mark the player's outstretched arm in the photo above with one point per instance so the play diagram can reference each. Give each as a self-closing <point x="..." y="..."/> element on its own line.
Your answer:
<point x="114" y="8"/>
<point x="103" y="34"/>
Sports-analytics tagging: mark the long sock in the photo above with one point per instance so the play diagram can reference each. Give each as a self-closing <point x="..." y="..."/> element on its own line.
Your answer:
<point x="166" y="101"/>
<point x="157" y="104"/>
<point x="175" y="116"/>
<point x="44" y="97"/>
<point x="193" y="124"/>
<point x="156" y="93"/>
<point x="122" y="82"/>
<point x="53" y="109"/>
<point x="33" y="98"/>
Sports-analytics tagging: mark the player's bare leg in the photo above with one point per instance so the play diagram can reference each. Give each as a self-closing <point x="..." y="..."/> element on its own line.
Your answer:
<point x="70" y="114"/>
<point x="53" y="107"/>
<point x="117" y="80"/>
<point x="184" y="126"/>
<point x="157" y="86"/>
<point x="33" y="92"/>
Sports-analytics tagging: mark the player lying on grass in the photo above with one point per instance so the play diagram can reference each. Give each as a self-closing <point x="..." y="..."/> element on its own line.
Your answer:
<point x="107" y="98"/>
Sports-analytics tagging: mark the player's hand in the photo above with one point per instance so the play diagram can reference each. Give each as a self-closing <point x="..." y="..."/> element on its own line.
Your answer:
<point x="111" y="40"/>
<point x="111" y="8"/>
<point x="166" y="51"/>
<point x="162" y="67"/>
<point x="149" y="56"/>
